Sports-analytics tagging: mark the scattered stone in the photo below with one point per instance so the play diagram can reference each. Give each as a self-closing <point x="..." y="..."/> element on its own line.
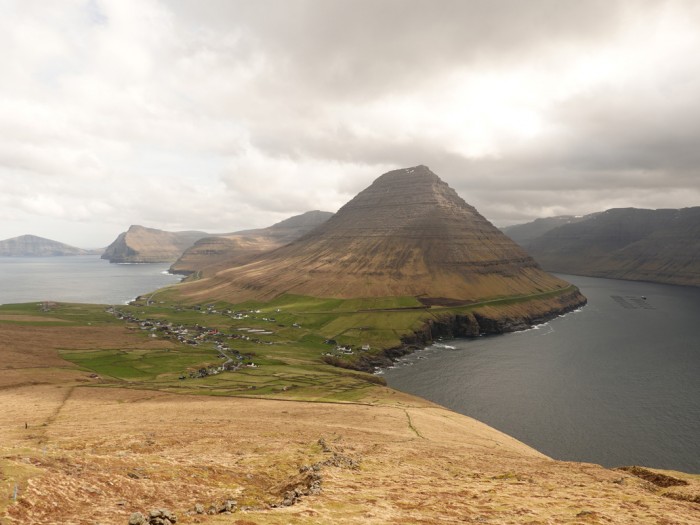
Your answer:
<point x="324" y="446"/>
<point x="137" y="519"/>
<point x="199" y="508"/>
<point x="342" y="461"/>
<point x="155" y="517"/>
<point x="228" y="506"/>
<point x="658" y="479"/>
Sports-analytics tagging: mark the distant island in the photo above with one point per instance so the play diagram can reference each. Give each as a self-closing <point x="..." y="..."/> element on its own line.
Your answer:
<point x="33" y="246"/>
<point x="622" y="243"/>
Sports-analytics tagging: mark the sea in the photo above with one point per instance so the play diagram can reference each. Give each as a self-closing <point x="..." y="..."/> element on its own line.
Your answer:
<point x="83" y="279"/>
<point x="615" y="383"/>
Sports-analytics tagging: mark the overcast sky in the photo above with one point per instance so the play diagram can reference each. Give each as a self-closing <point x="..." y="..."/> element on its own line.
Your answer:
<point x="225" y="115"/>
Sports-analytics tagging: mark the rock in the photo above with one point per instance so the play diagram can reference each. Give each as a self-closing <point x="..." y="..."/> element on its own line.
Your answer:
<point x="157" y="517"/>
<point x="324" y="446"/>
<point x="137" y="519"/>
<point x="228" y="506"/>
<point x="342" y="461"/>
<point x="170" y="516"/>
<point x="199" y="508"/>
<point x="289" y="499"/>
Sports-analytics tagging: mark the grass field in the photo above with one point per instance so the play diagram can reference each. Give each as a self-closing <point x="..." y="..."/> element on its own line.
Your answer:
<point x="280" y="347"/>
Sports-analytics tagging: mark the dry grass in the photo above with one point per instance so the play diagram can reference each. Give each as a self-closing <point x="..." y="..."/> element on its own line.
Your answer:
<point x="94" y="455"/>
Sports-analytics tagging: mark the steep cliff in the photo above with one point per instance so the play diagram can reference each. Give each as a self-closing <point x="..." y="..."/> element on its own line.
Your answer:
<point x="408" y="234"/>
<point x="626" y="243"/>
<point x="148" y="245"/>
<point x="210" y="254"/>
<point x="33" y="246"/>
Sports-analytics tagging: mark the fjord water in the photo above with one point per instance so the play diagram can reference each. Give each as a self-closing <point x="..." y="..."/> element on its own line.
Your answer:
<point x="78" y="279"/>
<point x="615" y="383"/>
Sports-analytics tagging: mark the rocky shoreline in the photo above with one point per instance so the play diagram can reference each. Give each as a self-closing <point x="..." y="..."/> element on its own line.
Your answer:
<point x="469" y="325"/>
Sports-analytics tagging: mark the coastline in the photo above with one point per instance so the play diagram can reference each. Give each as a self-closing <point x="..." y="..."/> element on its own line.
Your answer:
<point x="482" y="321"/>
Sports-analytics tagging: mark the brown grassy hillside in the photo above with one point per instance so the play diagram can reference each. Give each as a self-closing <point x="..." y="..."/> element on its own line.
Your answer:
<point x="408" y="234"/>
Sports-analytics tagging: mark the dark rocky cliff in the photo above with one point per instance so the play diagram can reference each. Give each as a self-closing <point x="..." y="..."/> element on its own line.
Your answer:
<point x="480" y="322"/>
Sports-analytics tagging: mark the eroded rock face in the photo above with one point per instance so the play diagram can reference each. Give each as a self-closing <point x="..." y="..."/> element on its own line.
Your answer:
<point x="149" y="245"/>
<point x="408" y="234"/>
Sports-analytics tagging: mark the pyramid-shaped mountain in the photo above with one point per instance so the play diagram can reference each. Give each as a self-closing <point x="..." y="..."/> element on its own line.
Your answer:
<point x="408" y="234"/>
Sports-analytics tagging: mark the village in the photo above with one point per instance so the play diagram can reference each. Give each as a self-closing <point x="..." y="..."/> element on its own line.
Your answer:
<point x="198" y="334"/>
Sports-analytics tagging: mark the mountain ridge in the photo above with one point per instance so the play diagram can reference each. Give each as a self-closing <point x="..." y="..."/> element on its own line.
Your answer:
<point x="626" y="243"/>
<point x="211" y="253"/>
<point x="525" y="233"/>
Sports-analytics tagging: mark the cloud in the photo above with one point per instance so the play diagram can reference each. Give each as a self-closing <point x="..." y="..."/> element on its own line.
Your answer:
<point x="231" y="114"/>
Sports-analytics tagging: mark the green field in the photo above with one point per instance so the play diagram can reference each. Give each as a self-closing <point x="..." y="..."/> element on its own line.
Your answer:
<point x="288" y="340"/>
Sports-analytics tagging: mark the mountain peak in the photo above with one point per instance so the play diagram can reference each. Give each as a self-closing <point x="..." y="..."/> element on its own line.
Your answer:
<point x="407" y="234"/>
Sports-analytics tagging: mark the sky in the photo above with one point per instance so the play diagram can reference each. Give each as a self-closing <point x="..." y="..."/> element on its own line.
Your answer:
<point x="232" y="114"/>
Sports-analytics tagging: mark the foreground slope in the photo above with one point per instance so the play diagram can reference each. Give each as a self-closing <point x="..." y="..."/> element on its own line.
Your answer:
<point x="210" y="254"/>
<point x="149" y="245"/>
<point x="627" y="243"/>
<point x="408" y="234"/>
<point x="77" y="447"/>
<point x="33" y="246"/>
